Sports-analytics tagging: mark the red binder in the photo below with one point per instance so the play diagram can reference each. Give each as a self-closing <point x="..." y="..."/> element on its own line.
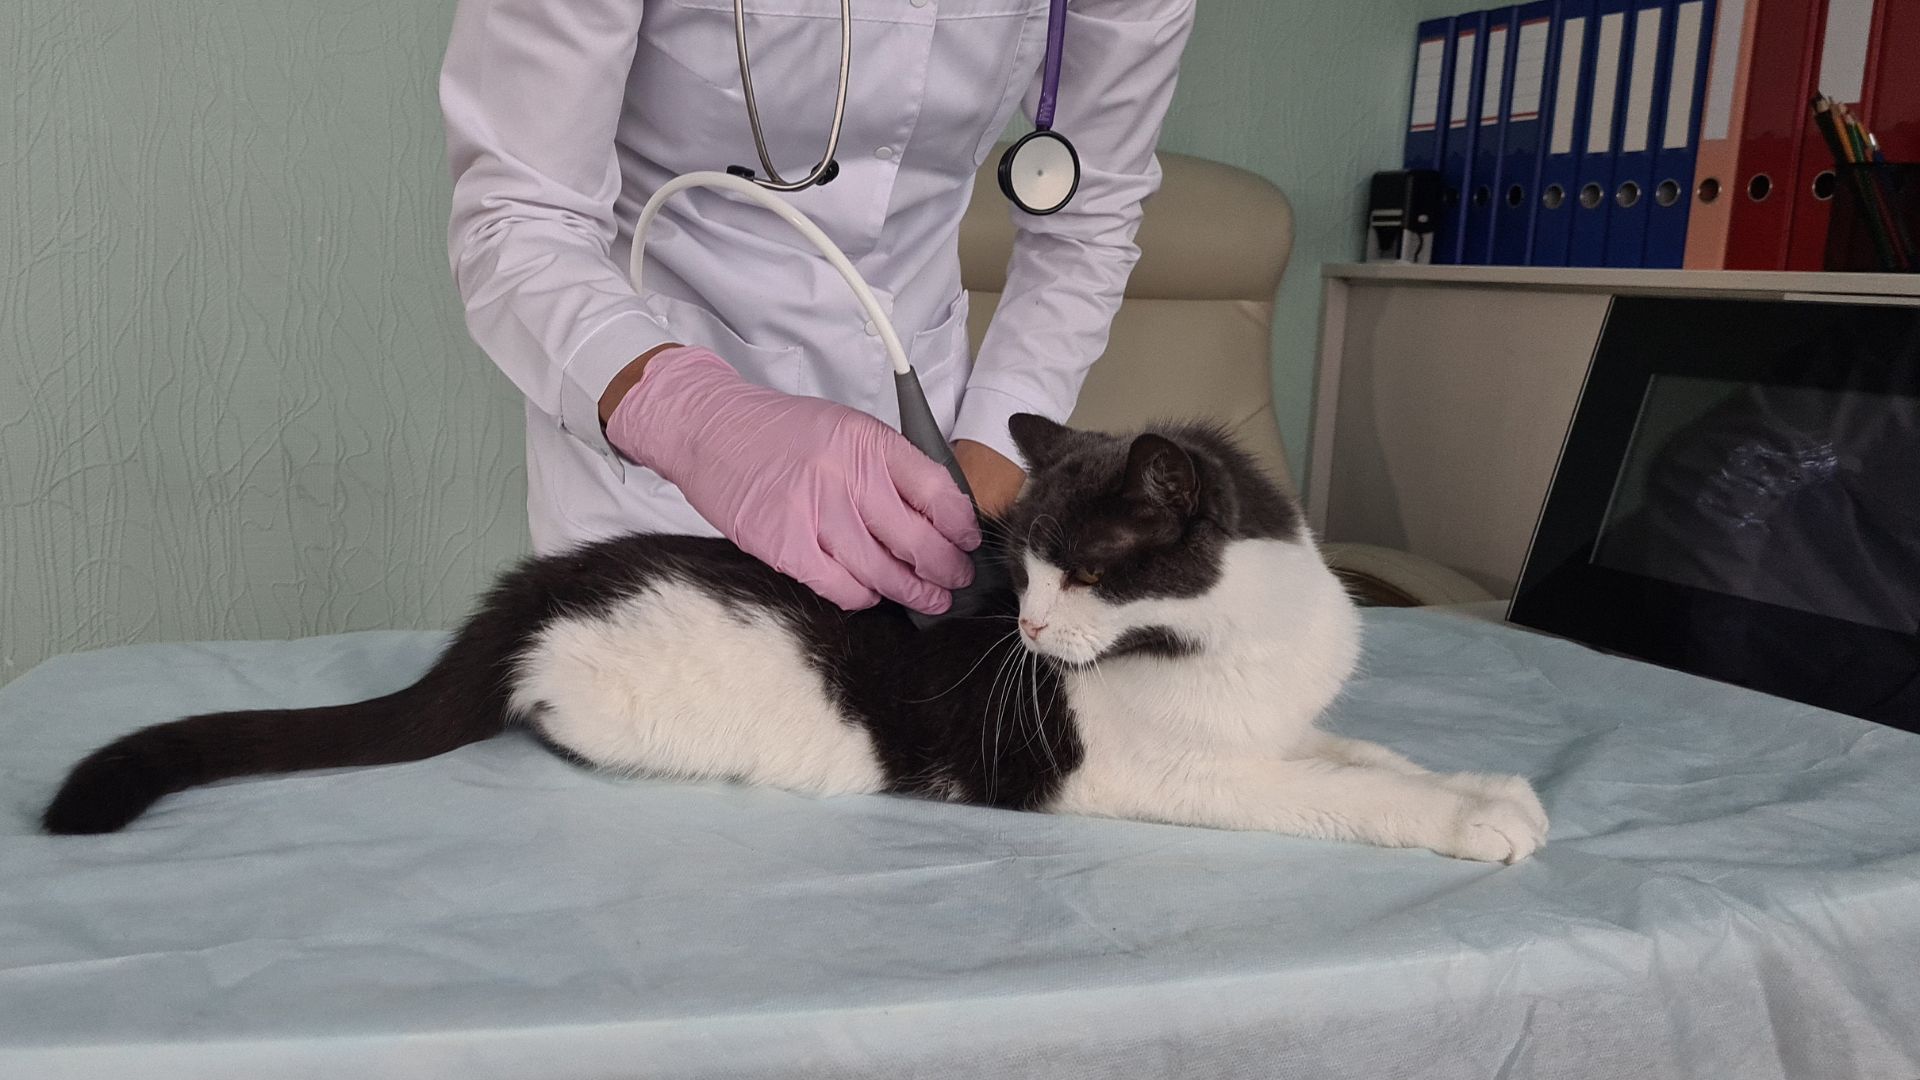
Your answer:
<point x="1841" y="74"/>
<point x="1786" y="41"/>
<point x="1893" y="78"/>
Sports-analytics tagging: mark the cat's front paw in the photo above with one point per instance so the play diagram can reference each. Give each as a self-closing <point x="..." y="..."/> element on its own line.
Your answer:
<point x="1495" y="829"/>
<point x="1501" y="786"/>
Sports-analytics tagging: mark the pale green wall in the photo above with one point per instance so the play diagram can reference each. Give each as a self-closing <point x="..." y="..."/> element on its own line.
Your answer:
<point x="236" y="398"/>
<point x="1311" y="95"/>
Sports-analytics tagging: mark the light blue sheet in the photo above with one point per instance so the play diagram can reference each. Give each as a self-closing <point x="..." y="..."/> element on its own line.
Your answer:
<point x="1731" y="888"/>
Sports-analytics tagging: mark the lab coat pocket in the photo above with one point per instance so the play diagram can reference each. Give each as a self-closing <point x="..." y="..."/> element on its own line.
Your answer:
<point x="773" y="366"/>
<point x="944" y="360"/>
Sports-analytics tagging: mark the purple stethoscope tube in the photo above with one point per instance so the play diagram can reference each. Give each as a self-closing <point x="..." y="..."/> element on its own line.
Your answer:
<point x="1040" y="173"/>
<point x="1050" y="75"/>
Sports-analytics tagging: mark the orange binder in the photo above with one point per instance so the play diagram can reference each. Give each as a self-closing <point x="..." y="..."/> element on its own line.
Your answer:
<point x="1721" y="121"/>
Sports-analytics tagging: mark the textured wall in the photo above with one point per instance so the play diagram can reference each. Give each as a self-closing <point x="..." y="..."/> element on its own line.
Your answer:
<point x="1311" y="95"/>
<point x="236" y="398"/>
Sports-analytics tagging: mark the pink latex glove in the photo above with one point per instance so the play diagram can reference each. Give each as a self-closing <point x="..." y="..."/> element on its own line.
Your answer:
<point x="825" y="494"/>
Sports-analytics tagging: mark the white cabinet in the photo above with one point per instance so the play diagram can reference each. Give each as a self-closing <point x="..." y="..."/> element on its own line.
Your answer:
<point x="1444" y="392"/>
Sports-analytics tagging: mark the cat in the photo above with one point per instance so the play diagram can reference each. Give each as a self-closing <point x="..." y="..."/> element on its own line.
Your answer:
<point x="1172" y="638"/>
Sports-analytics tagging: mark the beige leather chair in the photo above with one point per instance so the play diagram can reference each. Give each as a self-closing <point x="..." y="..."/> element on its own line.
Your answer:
<point x="1193" y="338"/>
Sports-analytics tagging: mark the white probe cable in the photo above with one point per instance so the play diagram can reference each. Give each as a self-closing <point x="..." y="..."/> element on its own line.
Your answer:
<point x="798" y="220"/>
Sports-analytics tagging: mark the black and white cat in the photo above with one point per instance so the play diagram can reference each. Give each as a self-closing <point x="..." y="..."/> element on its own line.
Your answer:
<point x="1173" y="639"/>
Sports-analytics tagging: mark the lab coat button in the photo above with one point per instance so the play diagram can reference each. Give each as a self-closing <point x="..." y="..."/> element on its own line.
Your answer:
<point x="918" y="3"/>
<point x="872" y="330"/>
<point x="885" y="153"/>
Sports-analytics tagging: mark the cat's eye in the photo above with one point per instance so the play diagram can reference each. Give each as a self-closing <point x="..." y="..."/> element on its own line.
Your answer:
<point x="1085" y="577"/>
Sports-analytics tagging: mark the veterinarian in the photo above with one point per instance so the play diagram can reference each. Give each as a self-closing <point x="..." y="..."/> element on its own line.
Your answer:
<point x="746" y="394"/>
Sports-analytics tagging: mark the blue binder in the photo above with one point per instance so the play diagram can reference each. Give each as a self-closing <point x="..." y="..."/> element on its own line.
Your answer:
<point x="1432" y="89"/>
<point x="1463" y="114"/>
<point x="1672" y="193"/>
<point x="1606" y="86"/>
<point x="1642" y="109"/>
<point x="1483" y="177"/>
<point x="1523" y="122"/>
<point x="1571" y="73"/>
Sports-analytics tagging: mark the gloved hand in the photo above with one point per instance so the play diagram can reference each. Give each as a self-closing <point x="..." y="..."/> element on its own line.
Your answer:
<point x="825" y="494"/>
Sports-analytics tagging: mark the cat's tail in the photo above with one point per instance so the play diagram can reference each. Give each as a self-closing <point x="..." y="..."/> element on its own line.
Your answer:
<point x="115" y="784"/>
<point x="462" y="698"/>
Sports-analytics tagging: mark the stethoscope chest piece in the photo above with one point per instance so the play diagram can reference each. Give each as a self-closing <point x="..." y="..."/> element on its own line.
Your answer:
<point x="1040" y="173"/>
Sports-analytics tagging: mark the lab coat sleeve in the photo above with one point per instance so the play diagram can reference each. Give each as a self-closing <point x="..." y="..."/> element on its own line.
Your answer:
<point x="532" y="91"/>
<point x="1069" y="269"/>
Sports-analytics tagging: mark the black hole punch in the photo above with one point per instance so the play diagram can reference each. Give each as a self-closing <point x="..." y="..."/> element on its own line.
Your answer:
<point x="1451" y="198"/>
<point x="1709" y="190"/>
<point x="1554" y="197"/>
<point x="1824" y="184"/>
<point x="1483" y="196"/>
<point x="1592" y="195"/>
<point x="1760" y="187"/>
<point x="1628" y="196"/>
<point x="1667" y="193"/>
<point x="1516" y="195"/>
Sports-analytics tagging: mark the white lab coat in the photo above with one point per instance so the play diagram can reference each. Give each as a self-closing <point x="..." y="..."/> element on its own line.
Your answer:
<point x="564" y="115"/>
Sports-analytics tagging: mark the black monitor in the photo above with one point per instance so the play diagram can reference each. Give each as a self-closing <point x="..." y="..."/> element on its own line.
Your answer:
<point x="1739" y="497"/>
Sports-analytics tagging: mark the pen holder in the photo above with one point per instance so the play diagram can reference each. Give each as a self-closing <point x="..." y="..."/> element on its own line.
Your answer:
<point x="1875" y="225"/>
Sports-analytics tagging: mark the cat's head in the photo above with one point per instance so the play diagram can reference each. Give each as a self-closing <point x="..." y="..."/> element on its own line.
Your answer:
<point x="1118" y="542"/>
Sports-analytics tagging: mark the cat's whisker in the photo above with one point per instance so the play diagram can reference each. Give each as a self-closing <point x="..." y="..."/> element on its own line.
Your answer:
<point x="1046" y="738"/>
<point x="992" y="763"/>
<point x="1002" y="722"/>
<point x="984" y="653"/>
<point x="1037" y="730"/>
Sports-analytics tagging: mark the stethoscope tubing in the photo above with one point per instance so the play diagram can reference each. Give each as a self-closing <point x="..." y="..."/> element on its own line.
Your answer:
<point x="825" y="168"/>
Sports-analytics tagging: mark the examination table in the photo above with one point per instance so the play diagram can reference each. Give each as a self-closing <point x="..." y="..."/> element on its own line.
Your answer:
<point x="1731" y="887"/>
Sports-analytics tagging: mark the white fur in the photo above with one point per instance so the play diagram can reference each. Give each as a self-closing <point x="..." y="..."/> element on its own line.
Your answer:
<point x="673" y="683"/>
<point x="1226" y="738"/>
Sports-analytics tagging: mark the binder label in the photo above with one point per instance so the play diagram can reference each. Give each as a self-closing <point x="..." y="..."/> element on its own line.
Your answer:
<point x="1843" y="56"/>
<point x="1573" y="39"/>
<point x="1426" y="85"/>
<point x="1606" y="80"/>
<point x="1529" y="70"/>
<point x="1717" y="121"/>
<point x="1462" y="79"/>
<point x="1646" y="53"/>
<point x="1496" y="75"/>
<point x="1686" y="67"/>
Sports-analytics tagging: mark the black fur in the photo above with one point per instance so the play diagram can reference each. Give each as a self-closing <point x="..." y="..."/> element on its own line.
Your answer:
<point x="957" y="711"/>
<point x="1184" y="493"/>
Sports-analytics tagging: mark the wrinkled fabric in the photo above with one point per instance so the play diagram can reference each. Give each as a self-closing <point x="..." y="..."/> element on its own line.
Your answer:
<point x="1731" y="888"/>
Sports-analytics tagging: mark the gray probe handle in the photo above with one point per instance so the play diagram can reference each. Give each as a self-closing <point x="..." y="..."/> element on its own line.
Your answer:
<point x="917" y="424"/>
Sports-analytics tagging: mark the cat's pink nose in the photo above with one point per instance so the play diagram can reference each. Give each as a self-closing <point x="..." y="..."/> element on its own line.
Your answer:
<point x="1031" y="628"/>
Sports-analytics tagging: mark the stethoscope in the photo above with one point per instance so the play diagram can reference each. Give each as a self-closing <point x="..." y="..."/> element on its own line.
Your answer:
<point x="1039" y="173"/>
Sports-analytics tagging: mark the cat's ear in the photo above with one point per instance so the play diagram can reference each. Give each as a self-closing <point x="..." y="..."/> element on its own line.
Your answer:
<point x="1037" y="437"/>
<point x="1161" y="474"/>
